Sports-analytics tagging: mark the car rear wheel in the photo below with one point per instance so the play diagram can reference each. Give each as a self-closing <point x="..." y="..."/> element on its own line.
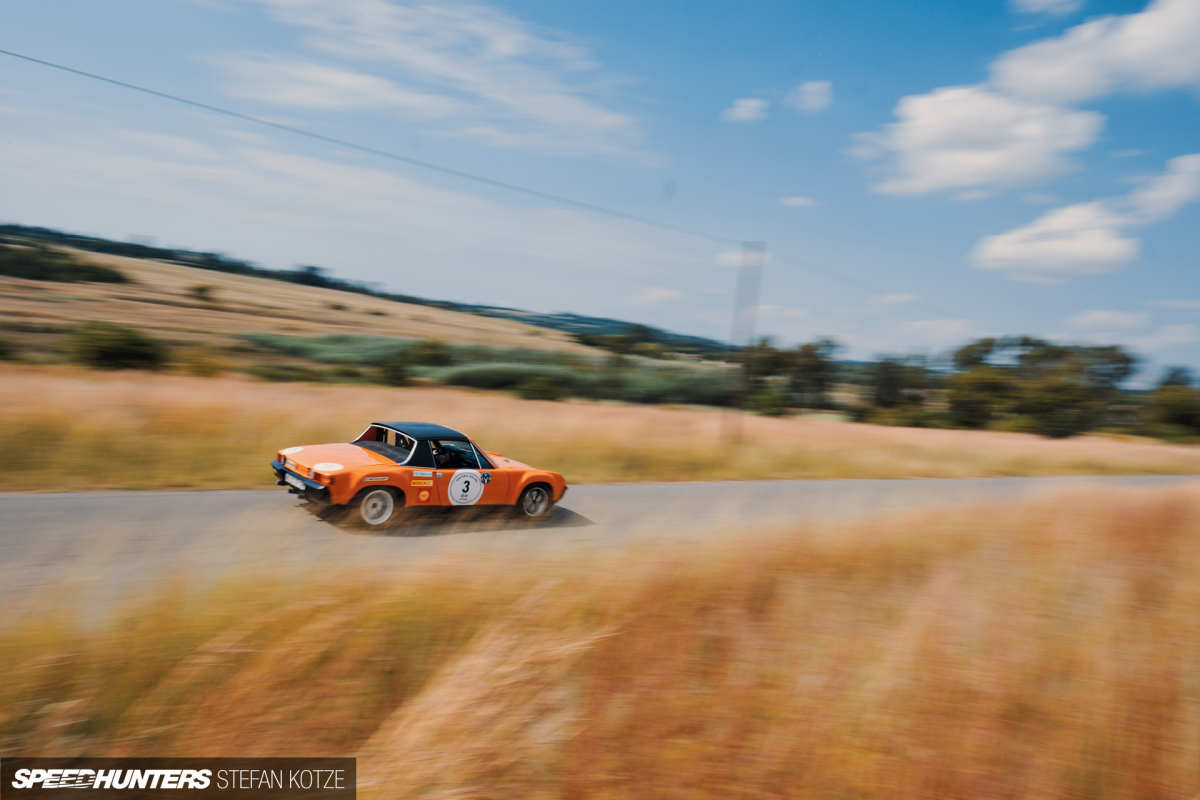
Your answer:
<point x="378" y="507"/>
<point x="536" y="501"/>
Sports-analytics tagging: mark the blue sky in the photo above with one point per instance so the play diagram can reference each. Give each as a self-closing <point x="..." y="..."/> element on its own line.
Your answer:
<point x="922" y="173"/>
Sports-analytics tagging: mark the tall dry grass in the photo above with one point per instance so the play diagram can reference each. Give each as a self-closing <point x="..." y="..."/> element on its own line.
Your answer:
<point x="64" y="428"/>
<point x="1049" y="650"/>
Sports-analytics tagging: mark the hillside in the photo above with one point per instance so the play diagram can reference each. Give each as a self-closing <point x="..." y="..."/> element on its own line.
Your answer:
<point x="165" y="300"/>
<point x="103" y="251"/>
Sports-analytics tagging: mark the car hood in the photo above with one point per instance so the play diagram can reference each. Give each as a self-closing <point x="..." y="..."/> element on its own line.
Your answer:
<point x="344" y="455"/>
<point x="504" y="461"/>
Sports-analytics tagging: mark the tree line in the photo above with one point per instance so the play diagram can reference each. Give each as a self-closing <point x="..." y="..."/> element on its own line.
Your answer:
<point x="1020" y="383"/>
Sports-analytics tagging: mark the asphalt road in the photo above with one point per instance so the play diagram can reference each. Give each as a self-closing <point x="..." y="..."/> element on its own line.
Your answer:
<point x="93" y="548"/>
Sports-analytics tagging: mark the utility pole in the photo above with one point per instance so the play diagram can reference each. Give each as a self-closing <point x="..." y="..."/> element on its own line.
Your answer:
<point x="745" y="311"/>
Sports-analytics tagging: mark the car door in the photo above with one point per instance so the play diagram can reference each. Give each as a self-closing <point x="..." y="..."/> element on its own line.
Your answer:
<point x="496" y="482"/>
<point x="464" y="480"/>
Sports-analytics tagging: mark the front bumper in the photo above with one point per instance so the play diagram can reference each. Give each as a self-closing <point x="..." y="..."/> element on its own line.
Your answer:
<point x="308" y="488"/>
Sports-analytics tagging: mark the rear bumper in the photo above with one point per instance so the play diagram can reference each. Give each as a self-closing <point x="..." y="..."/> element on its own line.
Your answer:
<point x="308" y="489"/>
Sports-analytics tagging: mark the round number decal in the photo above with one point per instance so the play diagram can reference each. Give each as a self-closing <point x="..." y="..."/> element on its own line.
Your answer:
<point x="466" y="487"/>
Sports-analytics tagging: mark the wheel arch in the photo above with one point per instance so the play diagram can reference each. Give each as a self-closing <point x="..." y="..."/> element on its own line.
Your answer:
<point x="546" y="478"/>
<point x="367" y="487"/>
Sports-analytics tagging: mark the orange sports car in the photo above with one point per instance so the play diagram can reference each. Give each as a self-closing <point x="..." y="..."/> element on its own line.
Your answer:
<point x="393" y="465"/>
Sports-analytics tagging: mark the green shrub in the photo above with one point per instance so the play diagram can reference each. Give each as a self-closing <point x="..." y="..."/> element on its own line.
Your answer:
<point x="506" y="376"/>
<point x="1017" y="423"/>
<point x="1174" y="407"/>
<point x="203" y="293"/>
<point x="542" y="388"/>
<point x="771" y="402"/>
<point x="860" y="412"/>
<point x="348" y="372"/>
<point x="7" y="351"/>
<point x="286" y="373"/>
<point x="908" y="417"/>
<point x="430" y="352"/>
<point x="394" y="371"/>
<point x="40" y="263"/>
<point x="110" y="346"/>
<point x="203" y="362"/>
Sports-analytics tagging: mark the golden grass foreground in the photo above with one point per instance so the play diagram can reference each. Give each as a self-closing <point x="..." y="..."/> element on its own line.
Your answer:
<point x="1047" y="650"/>
<point x="68" y="428"/>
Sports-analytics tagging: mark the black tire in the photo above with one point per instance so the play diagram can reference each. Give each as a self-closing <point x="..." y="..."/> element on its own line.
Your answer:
<point x="376" y="507"/>
<point x="536" y="501"/>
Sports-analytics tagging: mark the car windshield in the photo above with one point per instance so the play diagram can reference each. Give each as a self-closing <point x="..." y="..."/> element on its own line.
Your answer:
<point x="387" y="442"/>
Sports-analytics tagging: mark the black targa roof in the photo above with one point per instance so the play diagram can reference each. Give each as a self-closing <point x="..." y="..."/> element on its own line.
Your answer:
<point x="424" y="430"/>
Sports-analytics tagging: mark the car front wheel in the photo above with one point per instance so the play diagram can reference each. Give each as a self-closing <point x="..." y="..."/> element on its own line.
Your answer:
<point x="536" y="501"/>
<point x="378" y="507"/>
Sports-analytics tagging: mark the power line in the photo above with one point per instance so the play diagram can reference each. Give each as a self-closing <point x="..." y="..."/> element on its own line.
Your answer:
<point x="551" y="197"/>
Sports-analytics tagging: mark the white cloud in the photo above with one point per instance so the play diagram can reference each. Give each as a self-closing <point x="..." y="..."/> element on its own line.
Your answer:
<point x="656" y="295"/>
<point x="1082" y="239"/>
<point x="1090" y="238"/>
<point x="296" y="83"/>
<point x="746" y="109"/>
<point x="810" y="96"/>
<point x="482" y="72"/>
<point x="1108" y="320"/>
<point x="1149" y="50"/>
<point x="961" y="137"/>
<point x="894" y="299"/>
<point x="1055" y="7"/>
<point x="374" y="224"/>
<point x="1019" y="127"/>
<point x="797" y="201"/>
<point x="1168" y="336"/>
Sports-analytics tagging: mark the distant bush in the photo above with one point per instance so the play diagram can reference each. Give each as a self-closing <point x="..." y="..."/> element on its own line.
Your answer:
<point x="1017" y="423"/>
<point x="40" y="263"/>
<point x="203" y="362"/>
<point x="203" y="293"/>
<point x="688" y="385"/>
<point x="1175" y="408"/>
<point x="542" y="388"/>
<point x="430" y="352"/>
<point x="286" y="373"/>
<point x="507" y="376"/>
<point x="909" y="417"/>
<point x="394" y="371"/>
<point x="333" y="349"/>
<point x="769" y="402"/>
<point x="7" y="351"/>
<point x="110" y="346"/>
<point x="348" y="372"/>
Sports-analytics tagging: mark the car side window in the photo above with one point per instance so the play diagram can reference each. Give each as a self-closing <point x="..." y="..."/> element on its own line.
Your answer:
<point x="453" y="455"/>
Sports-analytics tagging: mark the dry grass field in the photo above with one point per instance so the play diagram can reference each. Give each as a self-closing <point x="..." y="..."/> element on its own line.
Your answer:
<point x="159" y="301"/>
<point x="1049" y="650"/>
<point x="67" y="428"/>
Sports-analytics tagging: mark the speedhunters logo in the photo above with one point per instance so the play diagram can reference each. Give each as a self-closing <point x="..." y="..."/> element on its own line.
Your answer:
<point x="75" y="778"/>
<point x="179" y="777"/>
